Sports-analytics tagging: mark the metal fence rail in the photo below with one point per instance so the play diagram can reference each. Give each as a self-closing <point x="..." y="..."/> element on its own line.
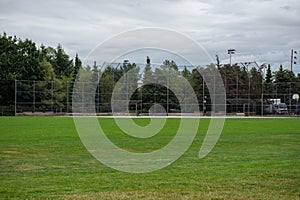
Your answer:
<point x="51" y="97"/>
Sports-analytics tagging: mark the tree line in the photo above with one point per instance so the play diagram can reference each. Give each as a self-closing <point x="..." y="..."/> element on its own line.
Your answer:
<point x="24" y="60"/>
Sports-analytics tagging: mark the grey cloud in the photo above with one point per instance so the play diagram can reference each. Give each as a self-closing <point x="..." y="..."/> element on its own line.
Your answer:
<point x="253" y="27"/>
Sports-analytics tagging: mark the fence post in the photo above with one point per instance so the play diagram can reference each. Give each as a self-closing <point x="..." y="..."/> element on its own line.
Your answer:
<point x="203" y="97"/>
<point x="67" y="97"/>
<point x="290" y="99"/>
<point x="262" y="98"/>
<point x="52" y="96"/>
<point x="168" y="80"/>
<point x="16" y="90"/>
<point x="34" y="96"/>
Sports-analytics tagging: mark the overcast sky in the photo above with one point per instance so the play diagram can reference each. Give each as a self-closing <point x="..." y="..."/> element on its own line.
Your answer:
<point x="259" y="30"/>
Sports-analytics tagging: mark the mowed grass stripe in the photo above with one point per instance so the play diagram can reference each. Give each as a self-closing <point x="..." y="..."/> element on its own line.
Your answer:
<point x="43" y="157"/>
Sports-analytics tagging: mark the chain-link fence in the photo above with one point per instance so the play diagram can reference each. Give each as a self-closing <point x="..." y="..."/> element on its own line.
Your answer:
<point x="46" y="97"/>
<point x="243" y="97"/>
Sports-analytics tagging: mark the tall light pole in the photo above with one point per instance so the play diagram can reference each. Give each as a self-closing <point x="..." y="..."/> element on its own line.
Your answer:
<point x="293" y="58"/>
<point x="230" y="51"/>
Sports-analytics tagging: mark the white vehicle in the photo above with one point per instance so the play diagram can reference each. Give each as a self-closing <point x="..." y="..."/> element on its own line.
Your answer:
<point x="280" y="108"/>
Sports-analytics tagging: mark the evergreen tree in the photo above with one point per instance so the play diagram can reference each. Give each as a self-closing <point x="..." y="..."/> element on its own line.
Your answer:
<point x="196" y="81"/>
<point x="283" y="79"/>
<point x="170" y="64"/>
<point x="47" y="70"/>
<point x="148" y="71"/>
<point x="186" y="73"/>
<point x="283" y="76"/>
<point x="19" y="60"/>
<point x="269" y="76"/>
<point x="61" y="62"/>
<point x="95" y="72"/>
<point x="148" y="89"/>
<point x="77" y="67"/>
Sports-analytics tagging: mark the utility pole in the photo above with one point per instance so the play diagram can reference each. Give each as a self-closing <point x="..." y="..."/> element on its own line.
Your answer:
<point x="230" y="51"/>
<point x="293" y="58"/>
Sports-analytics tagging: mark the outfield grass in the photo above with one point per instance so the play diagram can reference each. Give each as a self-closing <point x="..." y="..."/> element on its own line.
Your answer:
<point x="43" y="157"/>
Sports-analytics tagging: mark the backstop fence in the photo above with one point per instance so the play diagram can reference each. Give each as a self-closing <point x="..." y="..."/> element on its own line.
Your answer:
<point x="55" y="97"/>
<point x="243" y="97"/>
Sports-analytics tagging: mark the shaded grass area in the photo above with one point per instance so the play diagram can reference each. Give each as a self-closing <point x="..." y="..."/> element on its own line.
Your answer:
<point x="43" y="157"/>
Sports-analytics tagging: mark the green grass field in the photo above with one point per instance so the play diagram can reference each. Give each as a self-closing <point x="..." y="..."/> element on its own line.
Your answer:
<point x="43" y="157"/>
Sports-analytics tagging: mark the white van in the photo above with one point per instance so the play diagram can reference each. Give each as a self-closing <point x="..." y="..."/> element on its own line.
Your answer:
<point x="280" y="108"/>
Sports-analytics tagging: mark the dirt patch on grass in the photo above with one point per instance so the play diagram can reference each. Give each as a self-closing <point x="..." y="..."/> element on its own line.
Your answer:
<point x="28" y="152"/>
<point x="153" y="195"/>
<point x="27" y="167"/>
<point x="129" y="195"/>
